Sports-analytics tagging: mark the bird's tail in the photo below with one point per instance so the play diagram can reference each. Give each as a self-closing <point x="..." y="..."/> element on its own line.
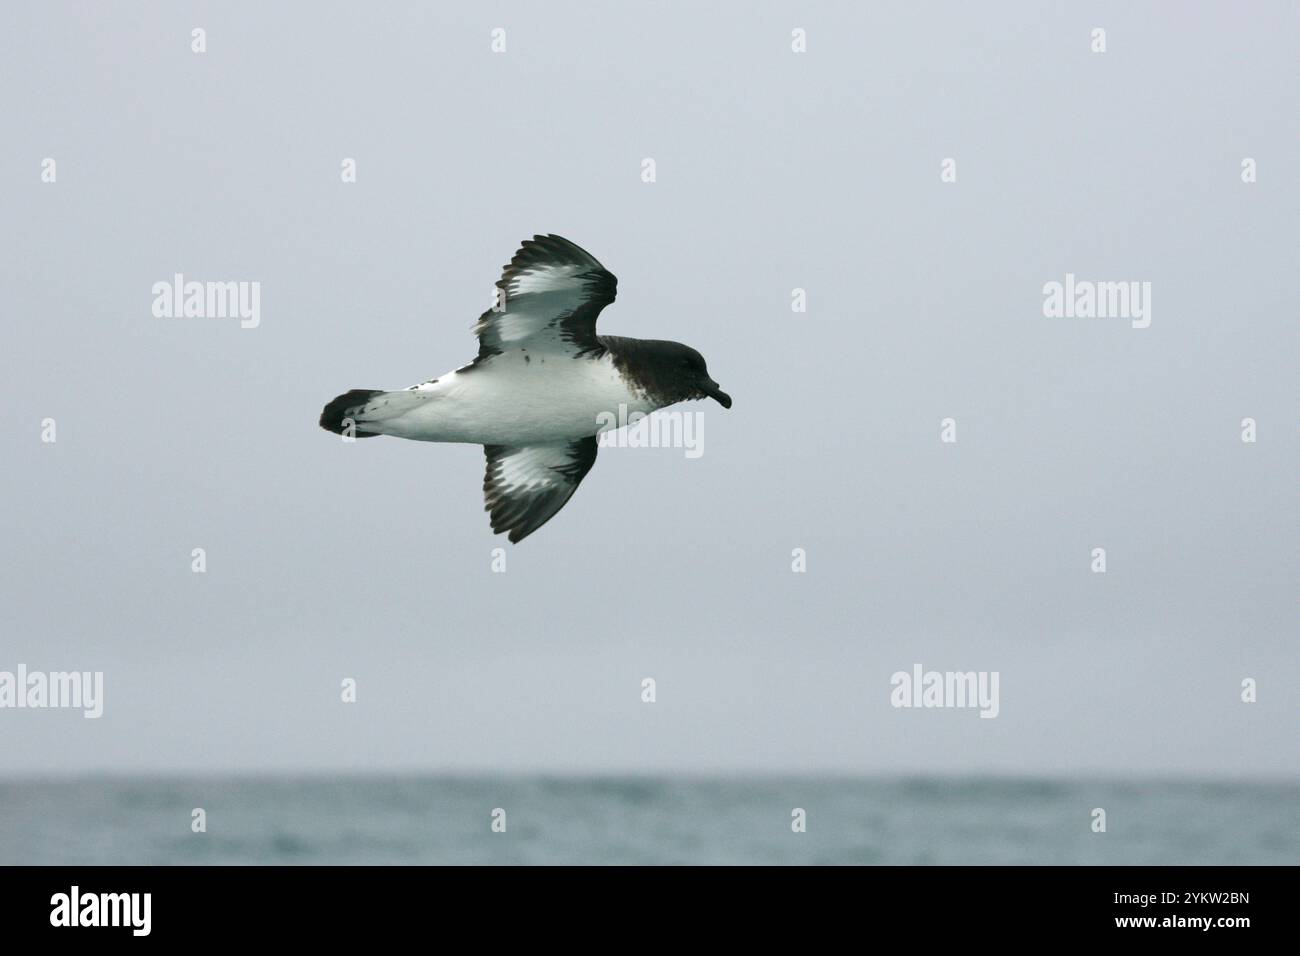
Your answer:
<point x="351" y="412"/>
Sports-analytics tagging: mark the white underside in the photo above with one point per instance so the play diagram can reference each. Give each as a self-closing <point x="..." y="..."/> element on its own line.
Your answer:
<point x="508" y="400"/>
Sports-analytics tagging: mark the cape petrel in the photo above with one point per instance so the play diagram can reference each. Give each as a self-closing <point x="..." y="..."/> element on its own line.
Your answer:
<point x="535" y="396"/>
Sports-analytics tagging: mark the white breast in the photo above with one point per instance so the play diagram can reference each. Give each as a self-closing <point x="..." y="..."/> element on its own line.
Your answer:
<point x="519" y="398"/>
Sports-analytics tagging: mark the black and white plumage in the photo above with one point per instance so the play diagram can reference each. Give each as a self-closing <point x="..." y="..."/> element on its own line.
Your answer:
<point x="553" y="293"/>
<point x="542" y="384"/>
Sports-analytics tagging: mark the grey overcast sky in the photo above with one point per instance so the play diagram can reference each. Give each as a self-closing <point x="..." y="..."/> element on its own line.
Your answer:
<point x="776" y="170"/>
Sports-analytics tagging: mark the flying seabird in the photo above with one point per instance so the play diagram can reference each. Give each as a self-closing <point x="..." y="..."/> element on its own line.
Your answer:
<point x="541" y="386"/>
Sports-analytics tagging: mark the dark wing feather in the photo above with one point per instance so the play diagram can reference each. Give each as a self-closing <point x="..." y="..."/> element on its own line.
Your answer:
<point x="551" y="293"/>
<point x="526" y="485"/>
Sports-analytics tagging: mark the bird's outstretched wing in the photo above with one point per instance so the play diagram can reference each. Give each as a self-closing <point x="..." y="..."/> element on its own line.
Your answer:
<point x="551" y="293"/>
<point x="526" y="485"/>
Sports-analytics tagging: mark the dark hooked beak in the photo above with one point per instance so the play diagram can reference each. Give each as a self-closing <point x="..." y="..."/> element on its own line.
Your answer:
<point x="718" y="395"/>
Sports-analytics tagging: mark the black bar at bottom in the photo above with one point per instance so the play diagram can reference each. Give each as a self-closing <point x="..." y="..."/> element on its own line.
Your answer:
<point x="209" y="904"/>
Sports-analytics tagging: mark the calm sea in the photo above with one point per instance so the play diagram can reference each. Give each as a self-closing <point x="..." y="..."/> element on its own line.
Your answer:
<point x="372" y="819"/>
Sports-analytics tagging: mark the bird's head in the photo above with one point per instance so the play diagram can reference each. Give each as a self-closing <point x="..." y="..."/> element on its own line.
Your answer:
<point x="686" y="369"/>
<point x="695" y="372"/>
<point x="668" y="372"/>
